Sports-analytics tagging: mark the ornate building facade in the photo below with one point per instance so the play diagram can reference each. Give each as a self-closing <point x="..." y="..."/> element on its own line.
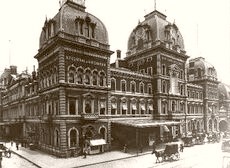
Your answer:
<point x="78" y="99"/>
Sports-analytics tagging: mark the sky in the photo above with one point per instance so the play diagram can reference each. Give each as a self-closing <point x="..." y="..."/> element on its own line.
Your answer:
<point x="204" y="25"/>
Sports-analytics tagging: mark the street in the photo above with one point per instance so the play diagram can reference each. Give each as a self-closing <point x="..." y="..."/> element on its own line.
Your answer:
<point x="198" y="156"/>
<point x="16" y="162"/>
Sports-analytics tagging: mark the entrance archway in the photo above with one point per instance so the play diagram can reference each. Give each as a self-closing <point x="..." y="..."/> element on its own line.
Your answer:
<point x="223" y="126"/>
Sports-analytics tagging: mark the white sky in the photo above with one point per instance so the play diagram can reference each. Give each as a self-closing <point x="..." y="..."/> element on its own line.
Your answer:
<point x="22" y="21"/>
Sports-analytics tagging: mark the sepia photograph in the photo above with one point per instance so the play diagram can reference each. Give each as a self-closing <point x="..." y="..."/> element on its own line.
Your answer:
<point x="115" y="84"/>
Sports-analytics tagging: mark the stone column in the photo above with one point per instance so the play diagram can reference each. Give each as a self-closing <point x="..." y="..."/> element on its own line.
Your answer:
<point x="63" y="139"/>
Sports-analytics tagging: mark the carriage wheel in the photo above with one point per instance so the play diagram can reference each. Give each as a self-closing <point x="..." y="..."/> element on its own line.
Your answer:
<point x="177" y="156"/>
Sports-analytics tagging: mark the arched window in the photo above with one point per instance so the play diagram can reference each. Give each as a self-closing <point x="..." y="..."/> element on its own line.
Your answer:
<point x="164" y="107"/>
<point x="210" y="125"/>
<point x="73" y="138"/>
<point x="182" y="107"/>
<point x="173" y="106"/>
<point x="133" y="87"/>
<point x="199" y="73"/>
<point x="113" y="84"/>
<point x="95" y="75"/>
<point x="87" y="77"/>
<point x="113" y="106"/>
<point x="133" y="106"/>
<point x="103" y="133"/>
<point x="215" y="125"/>
<point x="141" y="88"/>
<point x="56" y="138"/>
<point x="80" y="76"/>
<point x="149" y="89"/>
<point x="163" y="70"/>
<point x="71" y="75"/>
<point x="88" y="106"/>
<point x="181" y="89"/>
<point x="123" y="86"/>
<point x="102" y="78"/>
<point x="124" y="107"/>
<point x="102" y="107"/>
<point x="164" y="87"/>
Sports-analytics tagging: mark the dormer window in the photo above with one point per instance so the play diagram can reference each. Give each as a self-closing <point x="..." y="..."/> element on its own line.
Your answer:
<point x="85" y="27"/>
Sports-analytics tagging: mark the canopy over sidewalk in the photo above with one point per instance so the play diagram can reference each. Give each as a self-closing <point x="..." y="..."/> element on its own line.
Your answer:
<point x="144" y="123"/>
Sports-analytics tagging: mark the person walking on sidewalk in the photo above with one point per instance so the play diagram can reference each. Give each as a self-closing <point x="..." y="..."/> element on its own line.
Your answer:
<point x="85" y="150"/>
<point x="17" y="145"/>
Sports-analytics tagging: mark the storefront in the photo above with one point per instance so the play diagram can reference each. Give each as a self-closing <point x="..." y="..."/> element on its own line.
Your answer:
<point x="97" y="146"/>
<point x="138" y="133"/>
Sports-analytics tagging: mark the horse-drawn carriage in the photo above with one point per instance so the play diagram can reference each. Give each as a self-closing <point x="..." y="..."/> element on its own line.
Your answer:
<point x="5" y="151"/>
<point x="170" y="153"/>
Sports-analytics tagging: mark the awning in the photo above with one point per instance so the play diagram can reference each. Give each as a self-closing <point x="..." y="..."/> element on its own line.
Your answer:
<point x="134" y="107"/>
<point x="97" y="142"/>
<point x="142" y="107"/>
<point x="124" y="107"/>
<point x="165" y="128"/>
<point x="144" y="123"/>
<point x="102" y="105"/>
<point x="151" y="108"/>
<point x="114" y="106"/>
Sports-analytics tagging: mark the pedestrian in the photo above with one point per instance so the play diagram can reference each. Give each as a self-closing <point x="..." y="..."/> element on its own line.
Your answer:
<point x="17" y="145"/>
<point x="11" y="142"/>
<point x="154" y="147"/>
<point x="9" y="151"/>
<point x="181" y="147"/>
<point x="125" y="148"/>
<point x="85" y="152"/>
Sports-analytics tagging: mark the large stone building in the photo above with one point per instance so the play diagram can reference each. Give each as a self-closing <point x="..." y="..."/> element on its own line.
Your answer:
<point x="77" y="98"/>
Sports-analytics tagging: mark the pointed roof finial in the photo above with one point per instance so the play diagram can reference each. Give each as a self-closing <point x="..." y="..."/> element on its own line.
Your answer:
<point x="155" y="5"/>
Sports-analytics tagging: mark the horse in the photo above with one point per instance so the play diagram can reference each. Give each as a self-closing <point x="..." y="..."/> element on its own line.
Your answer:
<point x="159" y="154"/>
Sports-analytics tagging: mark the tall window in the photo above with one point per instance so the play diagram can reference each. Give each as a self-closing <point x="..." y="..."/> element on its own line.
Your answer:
<point x="102" y="108"/>
<point x="163" y="70"/>
<point x="141" y="88"/>
<point x="149" y="71"/>
<point x="102" y="77"/>
<point x="88" y="106"/>
<point x="164" y="107"/>
<point x="173" y="106"/>
<point x="80" y="76"/>
<point x="164" y="87"/>
<point x="199" y="73"/>
<point x="113" y="85"/>
<point x="95" y="74"/>
<point x="56" y="138"/>
<point x="113" y="106"/>
<point x="72" y="107"/>
<point x="124" y="107"/>
<point x="73" y="138"/>
<point x="133" y="87"/>
<point x="181" y="89"/>
<point x="71" y="74"/>
<point x="149" y="89"/>
<point x="123" y="85"/>
<point x="174" y="83"/>
<point x="87" y="77"/>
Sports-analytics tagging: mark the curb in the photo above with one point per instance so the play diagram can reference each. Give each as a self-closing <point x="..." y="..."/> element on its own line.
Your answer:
<point x="90" y="164"/>
<point x="106" y="161"/>
<point x="26" y="159"/>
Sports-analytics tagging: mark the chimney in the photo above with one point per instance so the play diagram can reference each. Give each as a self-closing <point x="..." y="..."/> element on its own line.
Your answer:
<point x="34" y="73"/>
<point x="118" y="54"/>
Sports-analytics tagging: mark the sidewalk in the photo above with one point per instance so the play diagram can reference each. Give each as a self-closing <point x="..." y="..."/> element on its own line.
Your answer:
<point x="43" y="160"/>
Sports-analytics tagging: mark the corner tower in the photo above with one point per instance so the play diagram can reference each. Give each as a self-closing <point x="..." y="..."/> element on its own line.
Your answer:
<point x="156" y="47"/>
<point x="74" y="74"/>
